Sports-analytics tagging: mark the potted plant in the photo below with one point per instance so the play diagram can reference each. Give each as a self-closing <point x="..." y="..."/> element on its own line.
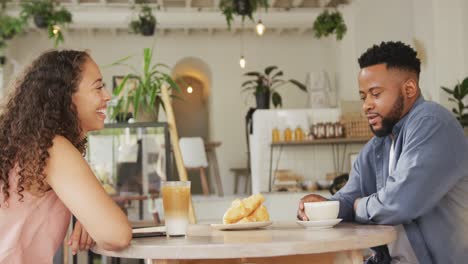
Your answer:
<point x="243" y="8"/>
<point x="265" y="84"/>
<point x="146" y="22"/>
<point x="10" y="26"/>
<point x="457" y="95"/>
<point x="145" y="97"/>
<point x="330" y="23"/>
<point x="47" y="15"/>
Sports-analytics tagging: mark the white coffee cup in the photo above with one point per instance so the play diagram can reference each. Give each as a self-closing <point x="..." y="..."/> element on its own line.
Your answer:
<point x="322" y="210"/>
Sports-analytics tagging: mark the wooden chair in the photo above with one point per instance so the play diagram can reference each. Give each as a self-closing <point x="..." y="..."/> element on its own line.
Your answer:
<point x="194" y="157"/>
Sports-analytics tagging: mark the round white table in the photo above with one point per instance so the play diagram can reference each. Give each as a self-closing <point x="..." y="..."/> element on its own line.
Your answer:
<point x="283" y="242"/>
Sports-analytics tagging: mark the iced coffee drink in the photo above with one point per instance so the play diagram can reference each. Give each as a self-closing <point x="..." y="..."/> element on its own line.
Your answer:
<point x="176" y="201"/>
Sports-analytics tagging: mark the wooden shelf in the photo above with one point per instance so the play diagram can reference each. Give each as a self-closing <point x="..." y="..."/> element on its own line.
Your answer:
<point x="322" y="142"/>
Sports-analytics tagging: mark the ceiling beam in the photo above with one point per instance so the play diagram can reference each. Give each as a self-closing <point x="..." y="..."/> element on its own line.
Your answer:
<point x="216" y="4"/>
<point x="106" y="17"/>
<point x="188" y="4"/>
<point x="161" y="4"/>
<point x="297" y="3"/>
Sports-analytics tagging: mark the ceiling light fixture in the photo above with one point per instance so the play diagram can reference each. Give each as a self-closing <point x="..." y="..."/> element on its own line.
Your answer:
<point x="260" y="28"/>
<point x="55" y="29"/>
<point x="189" y="89"/>
<point x="242" y="59"/>
<point x="242" y="62"/>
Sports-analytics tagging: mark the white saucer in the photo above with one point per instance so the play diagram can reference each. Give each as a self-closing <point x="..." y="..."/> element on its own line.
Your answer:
<point x="241" y="226"/>
<point x="319" y="224"/>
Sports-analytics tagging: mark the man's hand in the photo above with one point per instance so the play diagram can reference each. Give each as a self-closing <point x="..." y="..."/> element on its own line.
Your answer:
<point x="308" y="199"/>
<point x="80" y="239"/>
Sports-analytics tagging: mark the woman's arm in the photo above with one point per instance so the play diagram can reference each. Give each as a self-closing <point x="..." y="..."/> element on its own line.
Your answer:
<point x="75" y="184"/>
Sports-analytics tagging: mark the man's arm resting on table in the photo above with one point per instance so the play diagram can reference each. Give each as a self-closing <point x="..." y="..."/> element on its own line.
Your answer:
<point x="428" y="168"/>
<point x="351" y="191"/>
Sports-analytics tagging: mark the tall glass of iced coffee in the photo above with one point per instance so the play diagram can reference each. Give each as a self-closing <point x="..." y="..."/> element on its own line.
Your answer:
<point x="176" y="202"/>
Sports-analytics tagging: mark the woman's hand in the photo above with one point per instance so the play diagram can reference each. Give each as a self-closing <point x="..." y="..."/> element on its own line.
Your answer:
<point x="80" y="239"/>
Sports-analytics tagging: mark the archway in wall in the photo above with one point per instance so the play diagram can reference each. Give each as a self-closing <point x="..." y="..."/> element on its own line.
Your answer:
<point x="191" y="108"/>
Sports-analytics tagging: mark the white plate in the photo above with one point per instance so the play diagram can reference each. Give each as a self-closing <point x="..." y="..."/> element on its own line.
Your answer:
<point x="319" y="224"/>
<point x="241" y="226"/>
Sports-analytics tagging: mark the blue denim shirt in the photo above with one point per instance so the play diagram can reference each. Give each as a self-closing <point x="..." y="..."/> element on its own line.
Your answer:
<point x="428" y="190"/>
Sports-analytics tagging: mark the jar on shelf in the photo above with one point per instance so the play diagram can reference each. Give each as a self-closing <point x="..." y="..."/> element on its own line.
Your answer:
<point x="320" y="131"/>
<point x="313" y="130"/>
<point x="339" y="130"/>
<point x="329" y="130"/>
<point x="287" y="135"/>
<point x="275" y="135"/>
<point x="298" y="134"/>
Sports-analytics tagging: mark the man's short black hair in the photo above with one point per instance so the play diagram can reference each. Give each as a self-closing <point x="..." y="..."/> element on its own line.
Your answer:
<point x="394" y="54"/>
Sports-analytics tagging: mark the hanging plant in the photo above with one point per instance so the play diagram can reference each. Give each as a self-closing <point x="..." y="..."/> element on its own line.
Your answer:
<point x="10" y="26"/>
<point x="146" y="22"/>
<point x="243" y="8"/>
<point x="330" y="23"/>
<point x="46" y="14"/>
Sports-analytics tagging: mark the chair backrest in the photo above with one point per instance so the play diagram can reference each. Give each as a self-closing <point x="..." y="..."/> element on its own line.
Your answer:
<point x="193" y="152"/>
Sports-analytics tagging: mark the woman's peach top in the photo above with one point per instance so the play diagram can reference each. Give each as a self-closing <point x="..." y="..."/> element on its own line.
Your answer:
<point x="31" y="231"/>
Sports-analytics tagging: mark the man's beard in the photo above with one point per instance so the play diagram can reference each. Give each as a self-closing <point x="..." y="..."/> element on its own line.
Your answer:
<point x="393" y="117"/>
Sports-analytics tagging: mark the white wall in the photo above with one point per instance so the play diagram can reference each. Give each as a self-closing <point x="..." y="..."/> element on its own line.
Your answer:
<point x="295" y="54"/>
<point x="437" y="27"/>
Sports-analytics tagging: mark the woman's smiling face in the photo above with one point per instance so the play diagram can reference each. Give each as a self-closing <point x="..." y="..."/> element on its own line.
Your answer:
<point x="91" y="98"/>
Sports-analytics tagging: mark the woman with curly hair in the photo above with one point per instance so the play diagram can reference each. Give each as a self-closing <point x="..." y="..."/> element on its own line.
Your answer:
<point x="43" y="175"/>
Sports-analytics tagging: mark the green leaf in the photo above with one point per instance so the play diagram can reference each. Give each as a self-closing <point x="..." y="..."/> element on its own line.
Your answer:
<point x="452" y="100"/>
<point x="253" y="74"/>
<point x="147" y="55"/>
<point x="276" y="99"/>
<point x="172" y="84"/>
<point x="136" y="102"/>
<point x="456" y="91"/>
<point x="119" y="88"/>
<point x="269" y="69"/>
<point x="280" y="73"/>
<point x="447" y="90"/>
<point x="298" y="84"/>
<point x="248" y="82"/>
<point x="464" y="83"/>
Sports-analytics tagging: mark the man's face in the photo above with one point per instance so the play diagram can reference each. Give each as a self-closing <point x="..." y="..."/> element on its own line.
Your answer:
<point x="381" y="92"/>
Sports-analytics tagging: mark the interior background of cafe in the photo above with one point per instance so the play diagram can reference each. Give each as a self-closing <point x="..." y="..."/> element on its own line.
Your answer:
<point x="197" y="45"/>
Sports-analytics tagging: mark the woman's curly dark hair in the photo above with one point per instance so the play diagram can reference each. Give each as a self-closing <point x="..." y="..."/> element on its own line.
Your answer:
<point x="394" y="54"/>
<point x="39" y="109"/>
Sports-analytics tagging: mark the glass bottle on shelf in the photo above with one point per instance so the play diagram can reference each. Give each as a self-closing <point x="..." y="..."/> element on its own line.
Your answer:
<point x="287" y="135"/>
<point x="298" y="134"/>
<point x="275" y="135"/>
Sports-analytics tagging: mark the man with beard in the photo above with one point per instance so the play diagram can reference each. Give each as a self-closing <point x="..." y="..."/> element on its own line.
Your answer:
<point x="413" y="174"/>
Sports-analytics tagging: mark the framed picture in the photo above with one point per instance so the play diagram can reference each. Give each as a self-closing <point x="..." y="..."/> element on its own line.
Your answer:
<point x="352" y="159"/>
